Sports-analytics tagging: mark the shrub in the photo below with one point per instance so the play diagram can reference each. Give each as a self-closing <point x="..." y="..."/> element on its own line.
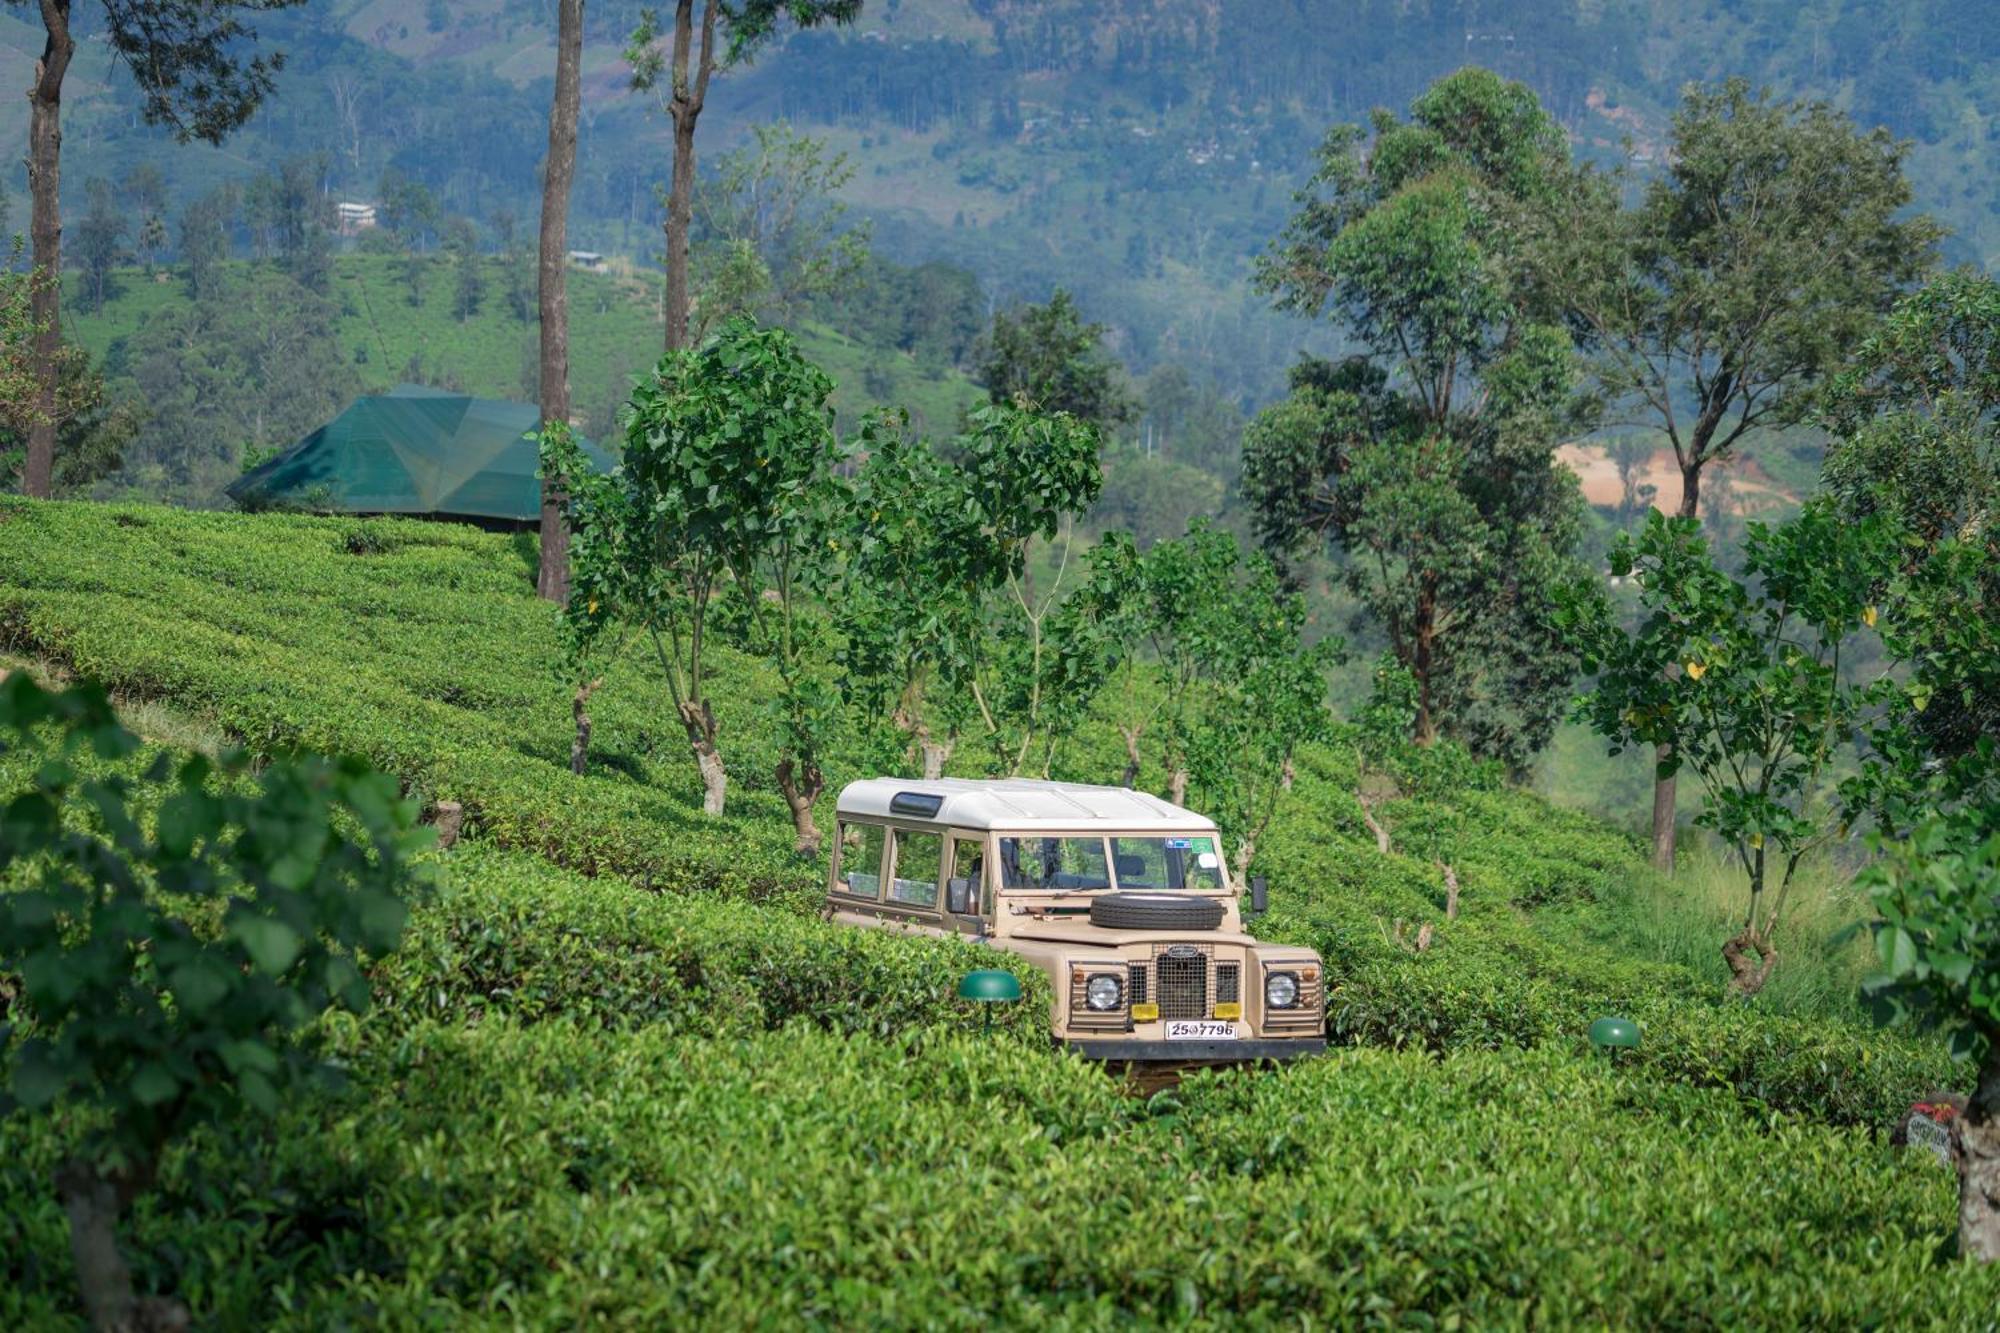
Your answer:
<point x="817" y="1178"/>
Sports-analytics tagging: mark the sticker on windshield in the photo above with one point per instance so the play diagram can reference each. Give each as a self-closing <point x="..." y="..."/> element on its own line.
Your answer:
<point x="1179" y="844"/>
<point x="1206" y="860"/>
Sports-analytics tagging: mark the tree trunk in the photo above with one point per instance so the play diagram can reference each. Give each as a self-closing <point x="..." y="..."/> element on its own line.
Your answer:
<point x="45" y="227"/>
<point x="1665" y="799"/>
<point x="94" y="1202"/>
<point x="1367" y="804"/>
<point x="1450" y="890"/>
<point x="801" y="786"/>
<point x="685" y="108"/>
<point x="579" y="707"/>
<point x="1979" y="1163"/>
<point x="1177" y="785"/>
<point x="449" y="821"/>
<point x="1422" y="663"/>
<point x="699" y="719"/>
<point x="1751" y="957"/>
<point x="1131" y="735"/>
<point x="1666" y="790"/>
<point x="552" y="578"/>
<point x="934" y="753"/>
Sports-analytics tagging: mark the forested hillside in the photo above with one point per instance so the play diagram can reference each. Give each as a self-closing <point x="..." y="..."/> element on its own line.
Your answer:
<point x="1139" y="152"/>
<point x="262" y="360"/>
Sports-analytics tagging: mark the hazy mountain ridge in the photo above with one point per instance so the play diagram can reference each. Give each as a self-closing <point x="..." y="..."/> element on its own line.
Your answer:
<point x="1140" y="151"/>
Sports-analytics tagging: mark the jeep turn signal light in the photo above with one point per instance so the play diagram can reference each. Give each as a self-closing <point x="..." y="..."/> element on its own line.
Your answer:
<point x="1229" y="1011"/>
<point x="1309" y="973"/>
<point x="1145" y="1013"/>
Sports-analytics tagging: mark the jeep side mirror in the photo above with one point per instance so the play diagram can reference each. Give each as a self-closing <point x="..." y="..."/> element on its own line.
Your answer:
<point x="1260" y="895"/>
<point x="958" y="897"/>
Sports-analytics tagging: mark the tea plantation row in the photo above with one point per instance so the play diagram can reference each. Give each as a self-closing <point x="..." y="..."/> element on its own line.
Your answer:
<point x="419" y="646"/>
<point x="577" y="1100"/>
<point x="514" y="1151"/>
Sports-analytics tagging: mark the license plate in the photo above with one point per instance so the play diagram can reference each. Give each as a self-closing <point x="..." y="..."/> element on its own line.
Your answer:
<point x="1197" y="1030"/>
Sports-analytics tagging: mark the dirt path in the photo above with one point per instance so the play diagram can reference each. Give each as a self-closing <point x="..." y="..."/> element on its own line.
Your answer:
<point x="1750" y="490"/>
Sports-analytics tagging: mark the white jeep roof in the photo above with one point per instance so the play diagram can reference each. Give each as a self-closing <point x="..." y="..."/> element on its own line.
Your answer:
<point x="1020" y="803"/>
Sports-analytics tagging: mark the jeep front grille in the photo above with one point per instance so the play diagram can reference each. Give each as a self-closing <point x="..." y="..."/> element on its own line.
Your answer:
<point x="1181" y="972"/>
<point x="1138" y="983"/>
<point x="1228" y="983"/>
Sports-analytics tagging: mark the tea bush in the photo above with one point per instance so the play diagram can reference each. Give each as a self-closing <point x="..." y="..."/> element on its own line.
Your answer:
<point x="421" y="647"/>
<point x="650" y="1178"/>
<point x="511" y="937"/>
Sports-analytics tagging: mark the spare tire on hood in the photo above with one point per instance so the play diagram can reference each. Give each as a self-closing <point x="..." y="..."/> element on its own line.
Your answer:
<point x="1155" y="911"/>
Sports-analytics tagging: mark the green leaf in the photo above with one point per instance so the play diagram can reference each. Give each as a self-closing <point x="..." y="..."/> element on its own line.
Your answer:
<point x="272" y="945"/>
<point x="248" y="1055"/>
<point x="154" y="1084"/>
<point x="1902" y="955"/>
<point x="180" y="823"/>
<point x="37" y="1081"/>
<point x="258" y="1091"/>
<point x="199" y="985"/>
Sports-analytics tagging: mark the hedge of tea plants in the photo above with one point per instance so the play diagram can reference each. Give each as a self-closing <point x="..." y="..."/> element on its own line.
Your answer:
<point x="584" y="1098"/>
<point x="557" y="1174"/>
<point x="420" y="646"/>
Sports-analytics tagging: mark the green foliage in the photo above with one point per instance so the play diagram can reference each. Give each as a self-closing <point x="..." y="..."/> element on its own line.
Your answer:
<point x="727" y="476"/>
<point x="187" y="60"/>
<point x="255" y="363"/>
<point x="911" y="594"/>
<point x="1208" y="651"/>
<point x="1744" y="685"/>
<point x="419" y="647"/>
<point x="1917" y="426"/>
<point x="162" y="968"/>
<point x="1028" y="475"/>
<point x="1428" y="464"/>
<point x="413" y="645"/>
<point x="1937" y="929"/>
<point x="436" y="1194"/>
<point x="1715" y="304"/>
<point x="771" y="233"/>
<point x="512" y="939"/>
<point x="1047" y="359"/>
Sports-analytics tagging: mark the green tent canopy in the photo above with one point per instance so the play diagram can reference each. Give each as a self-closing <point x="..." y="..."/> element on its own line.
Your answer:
<point x="413" y="450"/>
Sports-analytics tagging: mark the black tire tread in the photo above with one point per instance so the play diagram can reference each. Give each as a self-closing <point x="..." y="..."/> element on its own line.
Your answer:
<point x="1155" y="911"/>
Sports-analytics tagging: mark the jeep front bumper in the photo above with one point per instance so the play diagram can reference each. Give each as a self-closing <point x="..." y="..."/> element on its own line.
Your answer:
<point x="1128" y="1050"/>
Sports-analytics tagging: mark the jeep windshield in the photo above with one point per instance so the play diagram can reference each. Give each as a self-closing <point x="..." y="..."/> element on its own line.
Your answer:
<point x="1073" y="865"/>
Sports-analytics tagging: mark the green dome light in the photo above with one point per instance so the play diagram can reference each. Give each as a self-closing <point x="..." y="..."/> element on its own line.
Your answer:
<point x="1612" y="1034"/>
<point x="990" y="986"/>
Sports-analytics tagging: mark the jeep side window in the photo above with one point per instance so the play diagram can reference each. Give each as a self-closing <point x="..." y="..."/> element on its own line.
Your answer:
<point x="861" y="859"/>
<point x="914" y="873"/>
<point x="968" y="862"/>
<point x="1053" y="863"/>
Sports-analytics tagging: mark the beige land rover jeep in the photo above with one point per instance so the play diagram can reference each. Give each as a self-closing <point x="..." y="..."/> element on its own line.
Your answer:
<point x="1121" y="898"/>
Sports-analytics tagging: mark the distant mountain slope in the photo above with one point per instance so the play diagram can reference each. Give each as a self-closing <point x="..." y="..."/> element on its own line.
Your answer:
<point x="1139" y="151"/>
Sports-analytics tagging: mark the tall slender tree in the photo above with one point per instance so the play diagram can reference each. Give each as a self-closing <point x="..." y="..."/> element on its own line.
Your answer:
<point x="1744" y="275"/>
<point x="740" y="27"/>
<point x="552" y="580"/>
<point x="187" y="59"/>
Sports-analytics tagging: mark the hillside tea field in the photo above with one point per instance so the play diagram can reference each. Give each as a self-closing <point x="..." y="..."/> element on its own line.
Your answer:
<point x="621" y="1073"/>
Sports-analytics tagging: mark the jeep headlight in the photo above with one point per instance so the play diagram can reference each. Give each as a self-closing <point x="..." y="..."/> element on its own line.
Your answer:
<point x="1104" y="992"/>
<point x="1281" y="990"/>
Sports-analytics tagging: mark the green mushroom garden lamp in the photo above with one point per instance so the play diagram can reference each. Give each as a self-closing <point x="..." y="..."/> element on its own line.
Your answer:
<point x="1612" y="1035"/>
<point x="990" y="986"/>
